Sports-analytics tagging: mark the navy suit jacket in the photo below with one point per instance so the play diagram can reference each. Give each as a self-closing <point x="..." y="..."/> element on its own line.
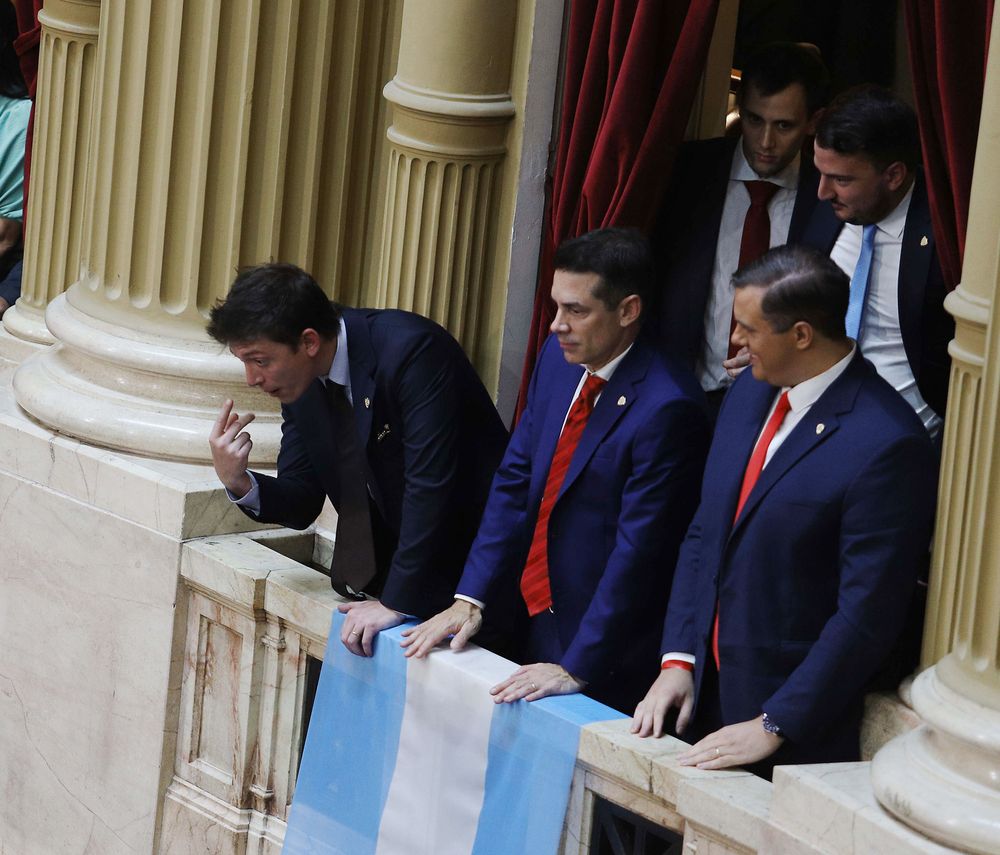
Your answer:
<point x="614" y="531"/>
<point x="814" y="579"/>
<point x="687" y="233"/>
<point x="925" y="325"/>
<point x="433" y="440"/>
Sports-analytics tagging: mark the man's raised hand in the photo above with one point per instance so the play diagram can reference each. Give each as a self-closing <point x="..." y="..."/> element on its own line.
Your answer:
<point x="231" y="446"/>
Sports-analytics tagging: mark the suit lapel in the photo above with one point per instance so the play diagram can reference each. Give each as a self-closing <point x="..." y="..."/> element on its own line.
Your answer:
<point x="361" y="359"/>
<point x="914" y="268"/>
<point x="750" y="410"/>
<point x="616" y="398"/>
<point x="807" y="434"/>
<point x="560" y="393"/>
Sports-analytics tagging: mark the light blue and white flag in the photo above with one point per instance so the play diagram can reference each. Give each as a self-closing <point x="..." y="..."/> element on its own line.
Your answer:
<point x="413" y="756"/>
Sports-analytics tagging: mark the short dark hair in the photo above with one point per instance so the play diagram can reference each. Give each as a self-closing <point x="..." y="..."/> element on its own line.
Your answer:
<point x="622" y="258"/>
<point x="776" y="66"/>
<point x="871" y="122"/>
<point x="275" y="302"/>
<point x="803" y="284"/>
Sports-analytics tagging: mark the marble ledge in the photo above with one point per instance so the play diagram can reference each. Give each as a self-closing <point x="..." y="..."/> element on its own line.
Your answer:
<point x="181" y="500"/>
<point x="648" y="765"/>
<point x="831" y="808"/>
<point x="256" y="573"/>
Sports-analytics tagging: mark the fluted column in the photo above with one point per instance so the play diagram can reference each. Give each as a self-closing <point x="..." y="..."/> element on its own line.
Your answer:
<point x="944" y="777"/>
<point x="451" y="107"/>
<point x="226" y="134"/>
<point x="63" y="114"/>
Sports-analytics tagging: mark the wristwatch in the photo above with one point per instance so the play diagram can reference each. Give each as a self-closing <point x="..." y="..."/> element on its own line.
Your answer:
<point x="770" y="726"/>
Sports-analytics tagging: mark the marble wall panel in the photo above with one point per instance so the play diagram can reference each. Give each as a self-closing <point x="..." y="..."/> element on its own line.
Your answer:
<point x="86" y="615"/>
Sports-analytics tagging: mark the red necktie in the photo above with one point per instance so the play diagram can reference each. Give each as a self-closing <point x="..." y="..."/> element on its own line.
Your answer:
<point x="756" y="238"/>
<point x="535" y="579"/>
<point x="750" y="476"/>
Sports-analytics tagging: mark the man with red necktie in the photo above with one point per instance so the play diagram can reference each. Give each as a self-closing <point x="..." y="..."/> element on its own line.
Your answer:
<point x="731" y="199"/>
<point x="794" y="579"/>
<point x="594" y="494"/>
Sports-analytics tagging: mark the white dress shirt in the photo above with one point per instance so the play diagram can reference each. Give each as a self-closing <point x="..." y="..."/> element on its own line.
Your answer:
<point x="719" y="307"/>
<point x="880" y="338"/>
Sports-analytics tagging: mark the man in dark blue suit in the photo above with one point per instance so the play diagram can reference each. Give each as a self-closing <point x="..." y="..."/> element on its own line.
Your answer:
<point x="703" y="232"/>
<point x="426" y="439"/>
<point x="794" y="580"/>
<point x="867" y="152"/>
<point x="589" y="526"/>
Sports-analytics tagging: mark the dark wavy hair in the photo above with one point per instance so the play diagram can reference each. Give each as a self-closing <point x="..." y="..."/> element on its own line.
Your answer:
<point x="622" y="258"/>
<point x="803" y="284"/>
<point x="871" y="122"/>
<point x="275" y="302"/>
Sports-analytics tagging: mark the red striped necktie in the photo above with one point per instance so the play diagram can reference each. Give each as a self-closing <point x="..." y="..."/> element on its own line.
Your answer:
<point x="535" y="579"/>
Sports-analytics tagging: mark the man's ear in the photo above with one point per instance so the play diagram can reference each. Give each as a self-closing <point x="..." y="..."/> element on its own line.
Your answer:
<point x="804" y="334"/>
<point x="310" y="341"/>
<point x="630" y="308"/>
<point x="895" y="175"/>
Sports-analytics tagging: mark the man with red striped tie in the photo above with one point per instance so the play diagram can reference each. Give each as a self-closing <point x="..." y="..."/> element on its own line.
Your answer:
<point x="593" y="496"/>
<point x="793" y="584"/>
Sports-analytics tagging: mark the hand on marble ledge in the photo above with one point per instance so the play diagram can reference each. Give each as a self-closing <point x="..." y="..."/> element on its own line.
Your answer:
<point x="231" y="446"/>
<point x="674" y="687"/>
<point x="534" y="682"/>
<point x="734" y="745"/>
<point x="4" y="306"/>
<point x="461" y="620"/>
<point x="364" y="621"/>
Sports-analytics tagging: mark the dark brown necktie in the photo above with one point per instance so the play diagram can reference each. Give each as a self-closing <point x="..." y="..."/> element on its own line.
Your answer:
<point x="756" y="238"/>
<point x="353" y="565"/>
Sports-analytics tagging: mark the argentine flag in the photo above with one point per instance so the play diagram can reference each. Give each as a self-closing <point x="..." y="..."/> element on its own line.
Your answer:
<point x="412" y="756"/>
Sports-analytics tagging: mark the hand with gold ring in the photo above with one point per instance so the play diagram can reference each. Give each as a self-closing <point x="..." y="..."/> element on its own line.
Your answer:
<point x="363" y="622"/>
<point x="735" y="745"/>
<point x="533" y="682"/>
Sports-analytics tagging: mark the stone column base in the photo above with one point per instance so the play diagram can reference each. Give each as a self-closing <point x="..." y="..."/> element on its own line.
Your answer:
<point x="944" y="778"/>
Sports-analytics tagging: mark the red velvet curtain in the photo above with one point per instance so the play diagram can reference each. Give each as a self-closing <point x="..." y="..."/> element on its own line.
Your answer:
<point x="948" y="43"/>
<point x="26" y="47"/>
<point x="632" y="70"/>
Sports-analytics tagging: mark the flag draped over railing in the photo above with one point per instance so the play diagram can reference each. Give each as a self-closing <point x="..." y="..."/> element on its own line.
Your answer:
<point x="413" y="756"/>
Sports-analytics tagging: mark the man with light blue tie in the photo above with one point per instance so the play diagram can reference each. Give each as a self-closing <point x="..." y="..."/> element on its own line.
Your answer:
<point x="874" y="220"/>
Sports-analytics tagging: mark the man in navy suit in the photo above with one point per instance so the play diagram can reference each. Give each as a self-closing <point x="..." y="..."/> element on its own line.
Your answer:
<point x="428" y="438"/>
<point x="794" y="579"/>
<point x="707" y="208"/>
<point x="590" y="528"/>
<point x="867" y="152"/>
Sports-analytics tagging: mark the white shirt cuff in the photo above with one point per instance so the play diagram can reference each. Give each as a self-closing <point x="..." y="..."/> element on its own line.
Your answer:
<point x="472" y="600"/>
<point x="249" y="502"/>
<point x="677" y="657"/>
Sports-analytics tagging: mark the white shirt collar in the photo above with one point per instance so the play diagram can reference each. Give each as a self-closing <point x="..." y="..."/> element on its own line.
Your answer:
<point x="741" y="170"/>
<point x="803" y="395"/>
<point x="608" y="369"/>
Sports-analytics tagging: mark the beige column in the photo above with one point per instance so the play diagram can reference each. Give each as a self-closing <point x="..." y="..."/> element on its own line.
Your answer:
<point x="63" y="112"/>
<point x="225" y="135"/>
<point x="451" y="107"/>
<point x="944" y="778"/>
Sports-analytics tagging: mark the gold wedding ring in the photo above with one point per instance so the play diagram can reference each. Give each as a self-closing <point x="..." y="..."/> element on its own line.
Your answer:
<point x="717" y="752"/>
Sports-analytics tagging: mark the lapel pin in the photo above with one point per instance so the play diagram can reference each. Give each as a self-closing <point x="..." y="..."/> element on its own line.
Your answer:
<point x="924" y="241"/>
<point x="820" y="428"/>
<point x="382" y="434"/>
<point x="621" y="401"/>
<point x="368" y="403"/>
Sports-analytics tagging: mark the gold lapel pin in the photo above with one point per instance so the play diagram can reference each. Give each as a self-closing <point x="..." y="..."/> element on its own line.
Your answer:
<point x="820" y="428"/>
<point x="924" y="241"/>
<point x="368" y="403"/>
<point x="621" y="401"/>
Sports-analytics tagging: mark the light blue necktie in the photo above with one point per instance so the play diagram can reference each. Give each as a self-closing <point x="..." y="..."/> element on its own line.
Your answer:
<point x="859" y="283"/>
